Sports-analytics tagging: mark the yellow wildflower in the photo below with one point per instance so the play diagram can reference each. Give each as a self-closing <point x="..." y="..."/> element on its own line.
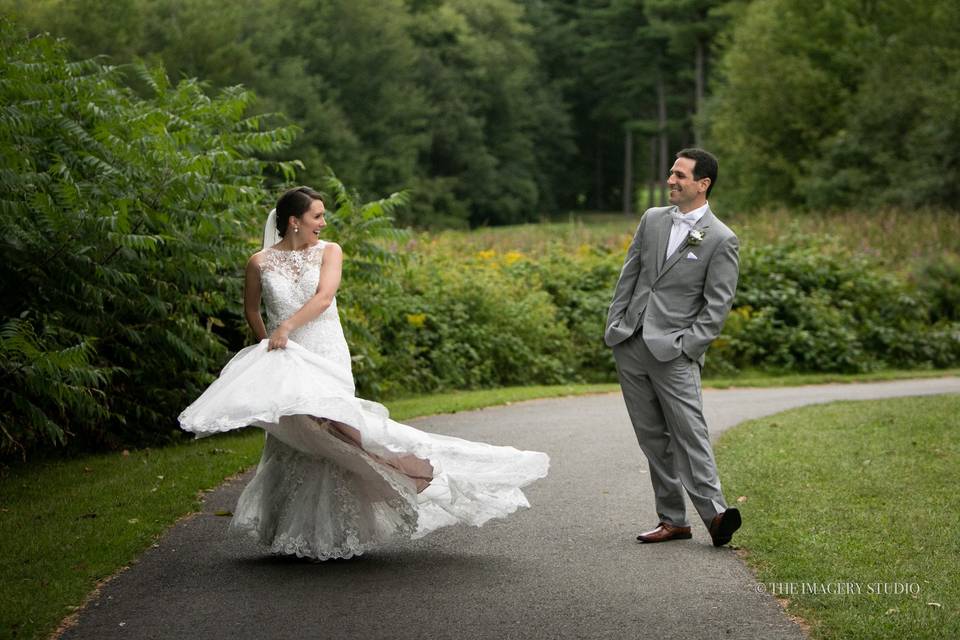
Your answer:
<point x="416" y="319"/>
<point x="512" y="256"/>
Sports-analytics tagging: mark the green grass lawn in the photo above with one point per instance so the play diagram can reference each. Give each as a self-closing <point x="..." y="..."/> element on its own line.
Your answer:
<point x="854" y="493"/>
<point x="67" y="524"/>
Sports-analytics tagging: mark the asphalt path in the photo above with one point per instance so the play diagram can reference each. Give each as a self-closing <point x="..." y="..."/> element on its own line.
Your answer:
<point x="569" y="567"/>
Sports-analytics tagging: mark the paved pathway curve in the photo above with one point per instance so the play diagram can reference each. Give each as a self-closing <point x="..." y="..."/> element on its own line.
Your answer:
<point x="567" y="568"/>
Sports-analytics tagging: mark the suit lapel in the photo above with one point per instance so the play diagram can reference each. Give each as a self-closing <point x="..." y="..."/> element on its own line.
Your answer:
<point x="663" y="239"/>
<point x="703" y="223"/>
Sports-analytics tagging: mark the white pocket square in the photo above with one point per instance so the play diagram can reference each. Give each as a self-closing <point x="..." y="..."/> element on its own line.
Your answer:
<point x="690" y="256"/>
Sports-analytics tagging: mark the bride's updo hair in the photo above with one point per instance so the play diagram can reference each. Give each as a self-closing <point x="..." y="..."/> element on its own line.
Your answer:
<point x="294" y="202"/>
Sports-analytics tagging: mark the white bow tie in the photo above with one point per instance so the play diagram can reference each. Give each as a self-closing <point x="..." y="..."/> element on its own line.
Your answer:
<point x="688" y="219"/>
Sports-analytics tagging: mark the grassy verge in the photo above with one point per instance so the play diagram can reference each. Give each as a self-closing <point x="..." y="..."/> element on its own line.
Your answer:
<point x="454" y="401"/>
<point x="758" y="379"/>
<point x="67" y="524"/>
<point x="860" y="498"/>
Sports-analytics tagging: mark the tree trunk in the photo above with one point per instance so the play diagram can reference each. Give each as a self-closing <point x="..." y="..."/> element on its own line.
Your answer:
<point x="699" y="82"/>
<point x="652" y="189"/>
<point x="664" y="139"/>
<point x="628" y="171"/>
<point x="598" y="200"/>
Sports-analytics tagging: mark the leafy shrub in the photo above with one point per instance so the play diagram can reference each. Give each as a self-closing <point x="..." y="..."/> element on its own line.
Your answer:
<point x="462" y="318"/>
<point x="123" y="221"/>
<point x="938" y="281"/>
<point x="369" y="240"/>
<point x="806" y="304"/>
<point x="467" y="323"/>
<point x="581" y="287"/>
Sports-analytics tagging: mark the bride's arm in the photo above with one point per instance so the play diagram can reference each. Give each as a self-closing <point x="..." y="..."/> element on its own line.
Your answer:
<point x="323" y="298"/>
<point x="251" y="298"/>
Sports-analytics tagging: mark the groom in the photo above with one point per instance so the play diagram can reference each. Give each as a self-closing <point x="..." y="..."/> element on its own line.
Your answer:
<point x="674" y="292"/>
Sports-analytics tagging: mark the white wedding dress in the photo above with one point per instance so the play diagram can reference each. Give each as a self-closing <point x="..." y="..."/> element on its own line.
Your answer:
<point x="338" y="476"/>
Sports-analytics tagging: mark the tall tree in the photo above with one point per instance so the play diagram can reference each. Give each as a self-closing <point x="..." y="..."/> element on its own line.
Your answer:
<point x="491" y="111"/>
<point x="613" y="60"/>
<point x="832" y="104"/>
<point x="497" y="126"/>
<point x="900" y="141"/>
<point x="634" y="79"/>
<point x="691" y="27"/>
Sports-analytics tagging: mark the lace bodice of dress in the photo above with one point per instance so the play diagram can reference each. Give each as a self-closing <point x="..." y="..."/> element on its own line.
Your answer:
<point x="288" y="280"/>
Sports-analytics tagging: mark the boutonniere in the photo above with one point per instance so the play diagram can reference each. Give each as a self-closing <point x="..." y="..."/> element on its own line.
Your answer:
<point x="696" y="236"/>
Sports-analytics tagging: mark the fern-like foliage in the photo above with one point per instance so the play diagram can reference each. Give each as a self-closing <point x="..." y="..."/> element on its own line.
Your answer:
<point x="124" y="221"/>
<point x="371" y="247"/>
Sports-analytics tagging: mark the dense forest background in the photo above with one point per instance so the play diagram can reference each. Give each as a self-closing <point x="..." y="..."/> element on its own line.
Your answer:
<point x="141" y="142"/>
<point x="499" y="111"/>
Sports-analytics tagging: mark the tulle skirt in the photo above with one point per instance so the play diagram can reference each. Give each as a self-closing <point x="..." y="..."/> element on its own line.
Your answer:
<point x="338" y="476"/>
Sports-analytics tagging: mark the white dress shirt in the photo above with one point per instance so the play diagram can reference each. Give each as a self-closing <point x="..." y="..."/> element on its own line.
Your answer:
<point x="681" y="228"/>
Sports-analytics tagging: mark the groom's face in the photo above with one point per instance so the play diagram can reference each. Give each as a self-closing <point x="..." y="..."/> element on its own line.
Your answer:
<point x="685" y="192"/>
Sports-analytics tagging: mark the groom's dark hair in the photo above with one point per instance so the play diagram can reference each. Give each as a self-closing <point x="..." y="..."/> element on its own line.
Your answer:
<point x="705" y="165"/>
<point x="294" y="202"/>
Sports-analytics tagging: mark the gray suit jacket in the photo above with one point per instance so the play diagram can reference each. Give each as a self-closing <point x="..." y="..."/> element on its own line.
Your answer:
<point x="680" y="302"/>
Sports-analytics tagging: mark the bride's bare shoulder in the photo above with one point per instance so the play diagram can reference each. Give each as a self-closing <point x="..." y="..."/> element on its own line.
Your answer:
<point x="331" y="249"/>
<point x="256" y="260"/>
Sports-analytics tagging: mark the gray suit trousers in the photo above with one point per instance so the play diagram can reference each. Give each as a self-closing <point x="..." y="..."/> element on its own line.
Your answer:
<point x="665" y="404"/>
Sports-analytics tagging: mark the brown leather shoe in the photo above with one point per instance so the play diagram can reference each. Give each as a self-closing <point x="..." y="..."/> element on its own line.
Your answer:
<point x="723" y="526"/>
<point x="665" y="532"/>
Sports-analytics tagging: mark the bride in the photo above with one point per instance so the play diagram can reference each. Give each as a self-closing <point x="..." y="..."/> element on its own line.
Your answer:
<point x="337" y="476"/>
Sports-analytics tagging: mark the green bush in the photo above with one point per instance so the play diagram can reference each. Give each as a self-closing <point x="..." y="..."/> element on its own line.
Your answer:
<point x="468" y="323"/>
<point x="807" y="304"/>
<point x="581" y="287"/>
<point x="123" y="221"/>
<point x="938" y="282"/>
<point x="461" y="318"/>
<point x="369" y="241"/>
